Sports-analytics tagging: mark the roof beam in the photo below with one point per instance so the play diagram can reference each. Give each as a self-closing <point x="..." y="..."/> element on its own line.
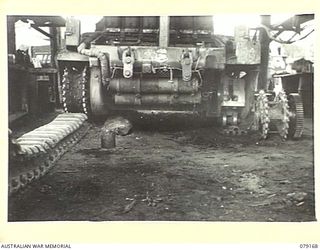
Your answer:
<point x="41" y="31"/>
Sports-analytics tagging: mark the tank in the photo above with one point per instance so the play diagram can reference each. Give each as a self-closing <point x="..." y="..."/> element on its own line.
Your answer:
<point x="164" y="63"/>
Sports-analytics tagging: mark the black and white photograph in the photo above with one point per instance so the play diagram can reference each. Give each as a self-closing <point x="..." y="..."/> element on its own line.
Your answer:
<point x="161" y="118"/>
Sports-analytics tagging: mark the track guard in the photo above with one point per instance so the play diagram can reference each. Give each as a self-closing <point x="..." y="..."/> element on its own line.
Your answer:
<point x="98" y="105"/>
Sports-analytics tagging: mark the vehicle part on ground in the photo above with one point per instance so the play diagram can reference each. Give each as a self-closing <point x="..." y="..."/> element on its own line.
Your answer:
<point x="159" y="63"/>
<point x="114" y="126"/>
<point x="41" y="148"/>
<point x="108" y="139"/>
<point x="279" y="112"/>
<point x="119" y="125"/>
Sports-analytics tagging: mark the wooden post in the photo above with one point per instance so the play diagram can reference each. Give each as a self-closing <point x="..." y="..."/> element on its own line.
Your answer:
<point x="265" y="42"/>
<point x="11" y="34"/>
<point x="55" y="45"/>
<point x="164" y="31"/>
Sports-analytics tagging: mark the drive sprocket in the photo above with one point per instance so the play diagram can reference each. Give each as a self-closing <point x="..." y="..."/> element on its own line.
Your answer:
<point x="261" y="113"/>
<point x="281" y="114"/>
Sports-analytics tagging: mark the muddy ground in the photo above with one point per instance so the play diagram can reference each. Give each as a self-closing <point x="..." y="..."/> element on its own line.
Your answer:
<point x="173" y="170"/>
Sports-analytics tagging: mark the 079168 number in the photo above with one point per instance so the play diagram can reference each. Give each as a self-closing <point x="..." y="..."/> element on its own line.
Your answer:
<point x="306" y="246"/>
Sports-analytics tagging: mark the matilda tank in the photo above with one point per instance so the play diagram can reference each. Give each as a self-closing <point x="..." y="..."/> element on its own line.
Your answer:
<point x="164" y="63"/>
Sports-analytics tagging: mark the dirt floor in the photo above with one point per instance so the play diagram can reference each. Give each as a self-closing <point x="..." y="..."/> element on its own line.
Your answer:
<point x="174" y="170"/>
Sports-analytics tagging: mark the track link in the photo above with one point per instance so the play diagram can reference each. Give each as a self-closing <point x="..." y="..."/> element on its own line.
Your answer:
<point x="75" y="90"/>
<point x="40" y="149"/>
<point x="261" y="112"/>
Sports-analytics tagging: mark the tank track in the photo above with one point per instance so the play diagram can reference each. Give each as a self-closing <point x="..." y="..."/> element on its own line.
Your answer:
<point x="261" y="112"/>
<point x="285" y="112"/>
<point x="297" y="121"/>
<point x="75" y="90"/>
<point x="283" y="125"/>
<point x="235" y="130"/>
<point x="41" y="148"/>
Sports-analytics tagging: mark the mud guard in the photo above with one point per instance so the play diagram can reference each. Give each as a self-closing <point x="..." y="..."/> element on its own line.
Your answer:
<point x="72" y="56"/>
<point x="98" y="102"/>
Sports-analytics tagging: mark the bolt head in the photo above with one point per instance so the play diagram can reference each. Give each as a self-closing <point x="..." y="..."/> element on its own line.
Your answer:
<point x="187" y="61"/>
<point x="128" y="60"/>
<point x="127" y="73"/>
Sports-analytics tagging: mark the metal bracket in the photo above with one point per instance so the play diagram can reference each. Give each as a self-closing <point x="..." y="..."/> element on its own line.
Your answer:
<point x="137" y="99"/>
<point x="127" y="60"/>
<point x="186" y="65"/>
<point x="230" y="118"/>
<point x="93" y="62"/>
<point x="146" y="66"/>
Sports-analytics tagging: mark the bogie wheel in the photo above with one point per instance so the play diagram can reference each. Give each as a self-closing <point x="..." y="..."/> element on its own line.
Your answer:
<point x="75" y="89"/>
<point x="296" y="116"/>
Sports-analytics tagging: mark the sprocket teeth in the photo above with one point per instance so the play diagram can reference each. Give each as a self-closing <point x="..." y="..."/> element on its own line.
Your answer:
<point x="262" y="113"/>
